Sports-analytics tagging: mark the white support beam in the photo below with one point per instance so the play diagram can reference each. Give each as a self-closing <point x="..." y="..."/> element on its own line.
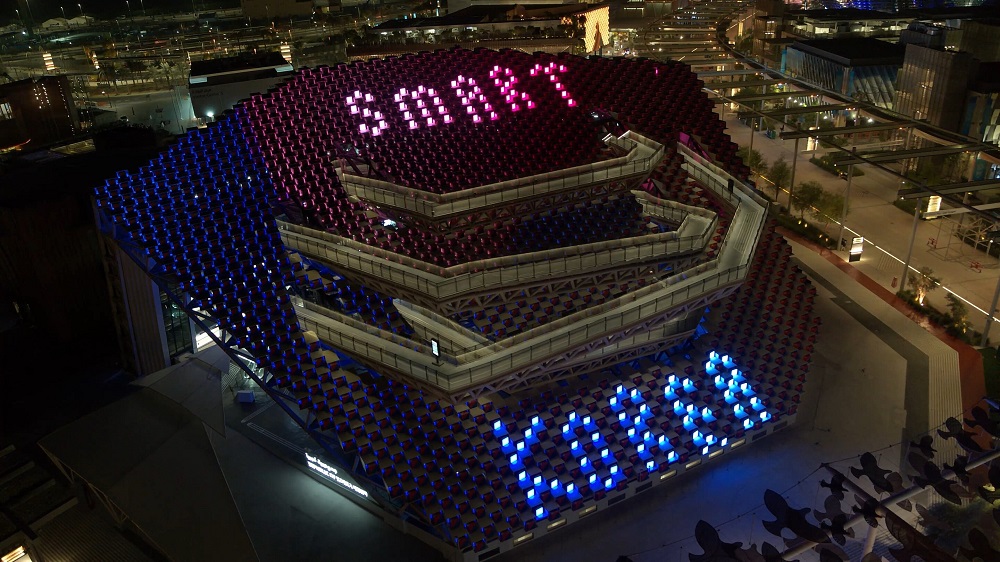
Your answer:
<point x="958" y="211"/>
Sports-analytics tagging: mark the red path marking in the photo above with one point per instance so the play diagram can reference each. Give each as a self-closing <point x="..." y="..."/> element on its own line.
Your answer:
<point x="970" y="362"/>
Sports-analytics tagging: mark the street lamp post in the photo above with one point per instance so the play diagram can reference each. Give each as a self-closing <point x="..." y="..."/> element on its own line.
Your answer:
<point x="63" y="10"/>
<point x="791" y="183"/>
<point x="909" y="253"/>
<point x="142" y="4"/>
<point x="80" y="6"/>
<point x="847" y="202"/>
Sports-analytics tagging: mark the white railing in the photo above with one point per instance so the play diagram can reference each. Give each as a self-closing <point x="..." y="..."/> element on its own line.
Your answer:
<point x="643" y="155"/>
<point x="474" y="368"/>
<point x="445" y="283"/>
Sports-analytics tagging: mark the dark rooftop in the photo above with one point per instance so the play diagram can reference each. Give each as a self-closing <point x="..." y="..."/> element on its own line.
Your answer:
<point x="861" y="50"/>
<point x="979" y="13"/>
<point x="487" y="13"/>
<point x="242" y="62"/>
<point x="843" y="14"/>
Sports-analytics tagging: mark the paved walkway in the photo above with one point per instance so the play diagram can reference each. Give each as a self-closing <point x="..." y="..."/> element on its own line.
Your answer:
<point x="887" y="230"/>
<point x="973" y="384"/>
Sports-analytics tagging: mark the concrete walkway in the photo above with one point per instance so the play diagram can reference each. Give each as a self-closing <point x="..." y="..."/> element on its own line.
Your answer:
<point x="887" y="229"/>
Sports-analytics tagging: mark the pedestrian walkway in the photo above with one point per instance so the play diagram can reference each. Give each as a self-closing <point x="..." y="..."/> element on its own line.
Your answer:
<point x="970" y="362"/>
<point x="970" y="273"/>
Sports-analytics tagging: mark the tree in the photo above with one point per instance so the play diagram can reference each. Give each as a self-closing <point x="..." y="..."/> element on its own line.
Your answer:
<point x="779" y="174"/>
<point x="829" y="206"/>
<point x="959" y="314"/>
<point x="923" y="283"/>
<point x="807" y="196"/>
<point x="754" y="159"/>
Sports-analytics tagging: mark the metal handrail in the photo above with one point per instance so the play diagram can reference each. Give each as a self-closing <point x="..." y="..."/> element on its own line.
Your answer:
<point x="441" y="283"/>
<point x="466" y="370"/>
<point x="436" y="205"/>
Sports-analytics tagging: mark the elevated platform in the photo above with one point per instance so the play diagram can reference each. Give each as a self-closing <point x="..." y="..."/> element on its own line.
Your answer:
<point x="640" y="156"/>
<point x="446" y="289"/>
<point x="512" y="363"/>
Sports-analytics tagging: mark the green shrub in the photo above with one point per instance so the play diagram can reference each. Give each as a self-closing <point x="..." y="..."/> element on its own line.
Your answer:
<point x="908" y="205"/>
<point x="826" y="162"/>
<point x="942" y="319"/>
<point x="804" y="229"/>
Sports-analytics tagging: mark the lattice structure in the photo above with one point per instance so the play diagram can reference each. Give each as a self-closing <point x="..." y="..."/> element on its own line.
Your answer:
<point x="600" y="255"/>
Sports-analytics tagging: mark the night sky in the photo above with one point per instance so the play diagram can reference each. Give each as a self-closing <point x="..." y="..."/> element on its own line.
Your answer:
<point x="46" y="9"/>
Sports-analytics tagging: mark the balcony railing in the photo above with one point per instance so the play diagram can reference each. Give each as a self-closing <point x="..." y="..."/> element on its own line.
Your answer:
<point x="642" y="156"/>
<point x="442" y="283"/>
<point x="477" y="367"/>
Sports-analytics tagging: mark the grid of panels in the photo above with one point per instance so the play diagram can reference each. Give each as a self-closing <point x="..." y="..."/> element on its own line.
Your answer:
<point x="201" y="211"/>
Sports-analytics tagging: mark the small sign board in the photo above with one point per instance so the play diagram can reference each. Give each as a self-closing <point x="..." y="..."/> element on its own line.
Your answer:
<point x="857" y="246"/>
<point x="933" y="203"/>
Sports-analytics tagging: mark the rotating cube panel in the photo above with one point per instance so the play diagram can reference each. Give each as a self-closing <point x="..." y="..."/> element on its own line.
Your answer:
<point x="201" y="212"/>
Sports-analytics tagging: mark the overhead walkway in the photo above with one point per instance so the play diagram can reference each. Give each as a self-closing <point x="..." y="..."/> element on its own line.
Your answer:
<point x="949" y="189"/>
<point x="897" y="155"/>
<point x="832" y="132"/>
<point x="696" y="61"/>
<point x="746" y="98"/>
<point x="506" y="362"/>
<point x="743" y="84"/>
<point x="809" y="109"/>
<point x="671" y="46"/>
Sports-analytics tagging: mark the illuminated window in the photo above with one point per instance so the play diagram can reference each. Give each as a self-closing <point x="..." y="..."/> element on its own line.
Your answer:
<point x="6" y="112"/>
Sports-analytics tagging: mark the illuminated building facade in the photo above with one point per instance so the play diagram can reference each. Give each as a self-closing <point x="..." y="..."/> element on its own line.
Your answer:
<point x="503" y="291"/>
<point x="862" y="68"/>
<point x="933" y="84"/>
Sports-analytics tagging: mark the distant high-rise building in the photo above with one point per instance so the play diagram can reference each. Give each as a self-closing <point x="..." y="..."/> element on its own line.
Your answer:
<point x="767" y="30"/>
<point x="862" y="68"/>
<point x="216" y="85"/>
<point x="932" y="85"/>
<point x="982" y="112"/>
<point x="935" y="35"/>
